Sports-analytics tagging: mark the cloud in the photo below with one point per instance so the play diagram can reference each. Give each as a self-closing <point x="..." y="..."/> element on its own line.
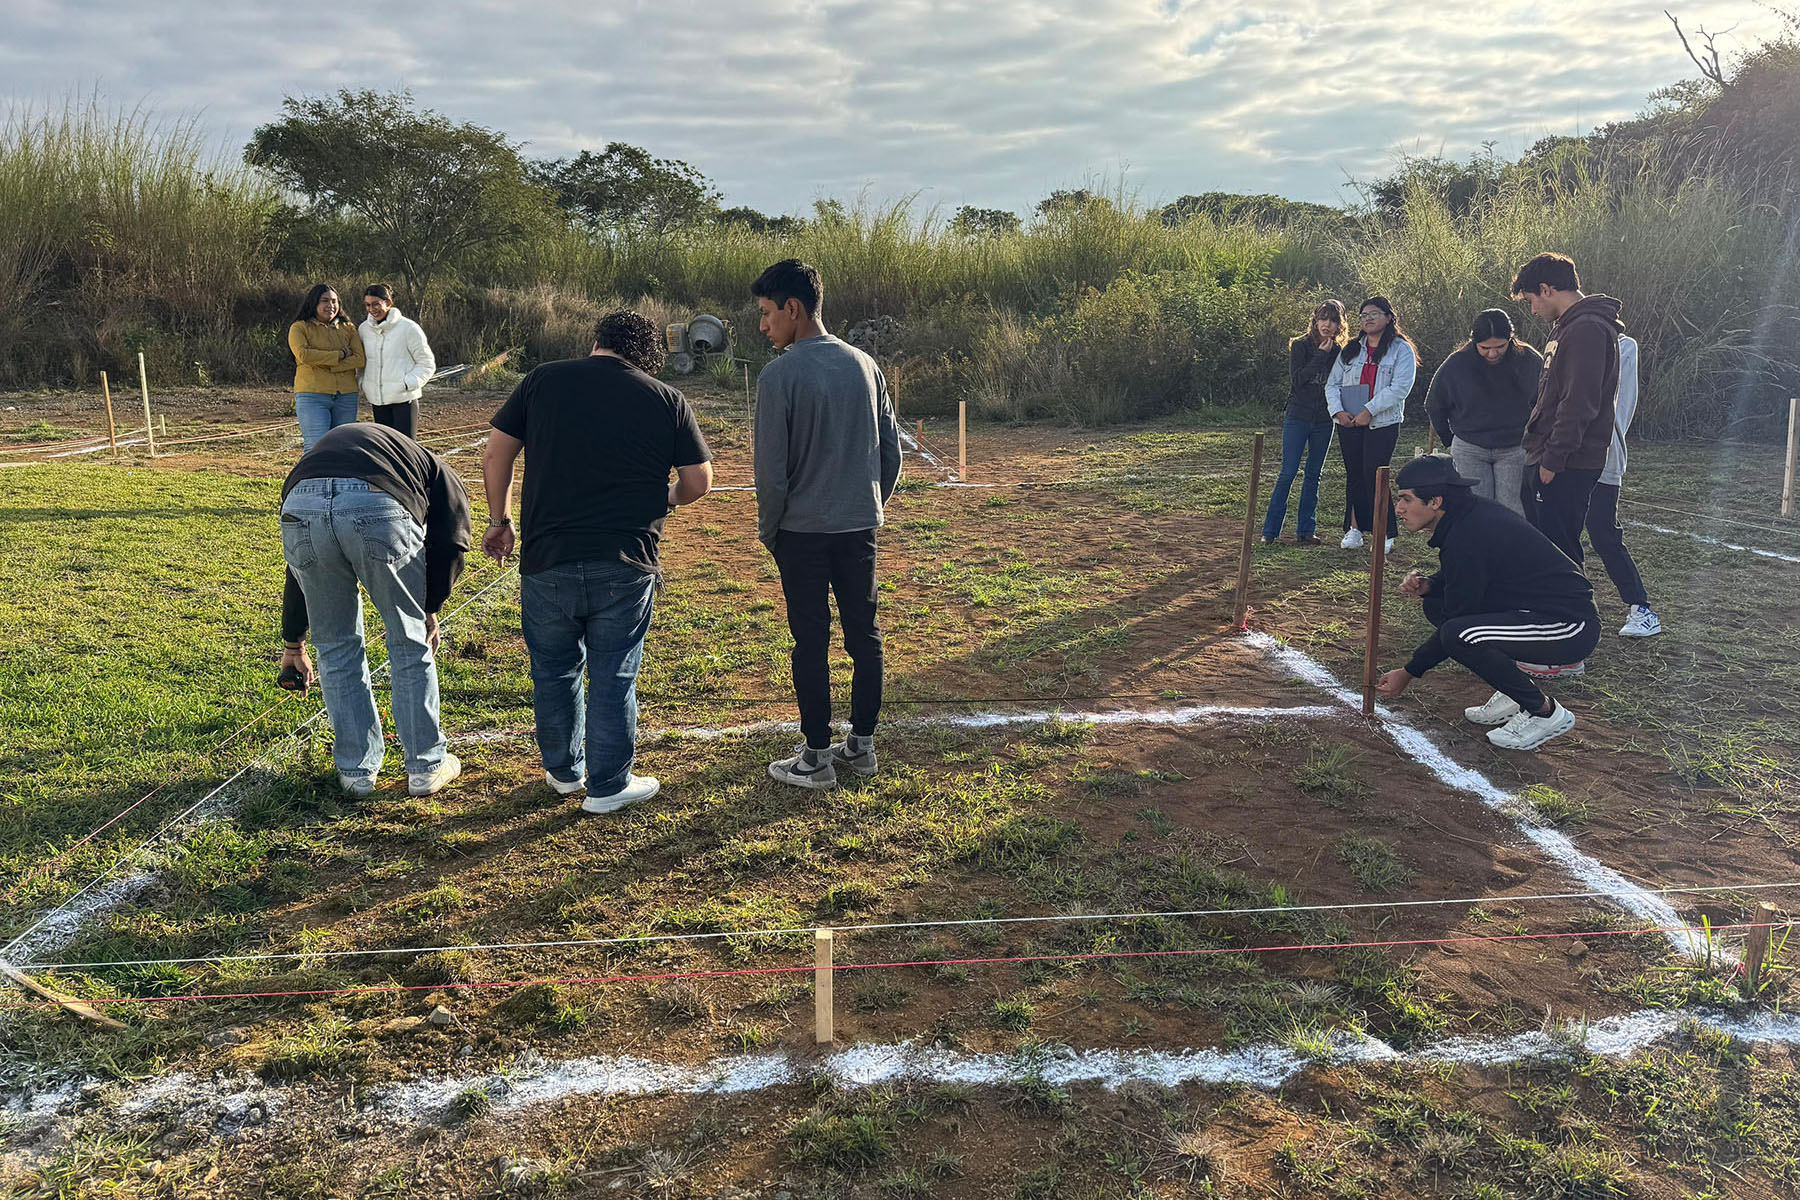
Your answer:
<point x="993" y="102"/>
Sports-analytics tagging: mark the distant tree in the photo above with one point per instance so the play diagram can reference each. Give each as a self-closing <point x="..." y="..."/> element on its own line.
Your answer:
<point x="760" y="222"/>
<point x="972" y="222"/>
<point x="434" y="194"/>
<point x="1064" y="201"/>
<point x="1461" y="184"/>
<point x="626" y="189"/>
<point x="1263" y="209"/>
<point x="830" y="212"/>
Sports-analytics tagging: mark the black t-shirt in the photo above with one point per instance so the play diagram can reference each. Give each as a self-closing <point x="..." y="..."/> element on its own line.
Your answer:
<point x="600" y="439"/>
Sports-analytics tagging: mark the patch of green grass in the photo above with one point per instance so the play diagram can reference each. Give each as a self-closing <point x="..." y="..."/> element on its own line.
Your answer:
<point x="1326" y="775"/>
<point x="1553" y="807"/>
<point x="845" y="1142"/>
<point x="1373" y="862"/>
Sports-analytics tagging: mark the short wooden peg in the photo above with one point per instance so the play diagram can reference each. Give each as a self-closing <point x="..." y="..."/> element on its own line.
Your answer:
<point x="822" y="1008"/>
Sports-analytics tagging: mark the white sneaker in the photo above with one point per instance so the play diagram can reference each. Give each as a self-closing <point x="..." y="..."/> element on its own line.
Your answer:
<point x="1353" y="540"/>
<point x="1499" y="709"/>
<point x="1641" y="623"/>
<point x="564" y="789"/>
<point x="1527" y="731"/>
<point x="638" y="787"/>
<point x="1554" y="670"/>
<point x="436" y="781"/>
<point x="357" y="786"/>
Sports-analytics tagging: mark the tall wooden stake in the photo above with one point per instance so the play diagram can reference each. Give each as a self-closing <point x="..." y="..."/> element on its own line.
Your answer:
<point x="1377" y="568"/>
<point x="1793" y="449"/>
<point x="144" y="387"/>
<point x="962" y="441"/>
<point x="822" y="1006"/>
<point x="1241" y="606"/>
<point x="112" y="430"/>
<point x="748" y="407"/>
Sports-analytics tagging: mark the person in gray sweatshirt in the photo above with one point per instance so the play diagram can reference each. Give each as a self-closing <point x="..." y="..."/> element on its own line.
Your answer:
<point x="1603" y="529"/>
<point x="827" y="449"/>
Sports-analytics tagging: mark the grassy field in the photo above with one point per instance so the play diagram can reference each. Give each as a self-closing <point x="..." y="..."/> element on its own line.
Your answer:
<point x="136" y="655"/>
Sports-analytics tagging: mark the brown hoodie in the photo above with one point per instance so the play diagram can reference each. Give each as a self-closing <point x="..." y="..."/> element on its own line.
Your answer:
<point x="1572" y="425"/>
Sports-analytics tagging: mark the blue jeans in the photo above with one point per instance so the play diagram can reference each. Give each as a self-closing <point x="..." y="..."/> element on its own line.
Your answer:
<point x="321" y="412"/>
<point x="1297" y="437"/>
<point x="591" y="615"/>
<point x="336" y="533"/>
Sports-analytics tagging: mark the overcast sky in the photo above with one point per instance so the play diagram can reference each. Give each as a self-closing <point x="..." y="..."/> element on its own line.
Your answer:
<point x="994" y="102"/>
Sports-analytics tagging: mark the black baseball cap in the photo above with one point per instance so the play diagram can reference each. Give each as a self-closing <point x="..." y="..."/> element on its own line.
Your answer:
<point x="1432" y="472"/>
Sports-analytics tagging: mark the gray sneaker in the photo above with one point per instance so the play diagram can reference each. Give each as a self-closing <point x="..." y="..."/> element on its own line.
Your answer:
<point x="357" y="786"/>
<point x="434" y="781"/>
<point x="859" y="762"/>
<point x="807" y="769"/>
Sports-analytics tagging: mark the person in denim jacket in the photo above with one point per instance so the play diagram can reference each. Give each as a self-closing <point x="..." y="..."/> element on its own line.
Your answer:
<point x="1384" y="360"/>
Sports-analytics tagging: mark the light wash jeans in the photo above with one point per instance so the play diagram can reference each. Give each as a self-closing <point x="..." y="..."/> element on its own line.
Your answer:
<point x="591" y="615"/>
<point x="1497" y="473"/>
<point x="336" y="533"/>
<point x="321" y="412"/>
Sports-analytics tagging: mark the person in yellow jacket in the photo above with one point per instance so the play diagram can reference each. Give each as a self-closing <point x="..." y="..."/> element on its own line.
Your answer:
<point x="328" y="353"/>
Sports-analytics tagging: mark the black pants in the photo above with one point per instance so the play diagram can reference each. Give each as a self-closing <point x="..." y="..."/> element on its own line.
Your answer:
<point x="814" y="566"/>
<point x="402" y="418"/>
<point x="1492" y="645"/>
<point x="1608" y="539"/>
<point x="1365" y="450"/>
<point x="1559" y="508"/>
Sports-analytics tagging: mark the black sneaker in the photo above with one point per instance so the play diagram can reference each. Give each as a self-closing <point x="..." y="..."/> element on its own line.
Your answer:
<point x="807" y="769"/>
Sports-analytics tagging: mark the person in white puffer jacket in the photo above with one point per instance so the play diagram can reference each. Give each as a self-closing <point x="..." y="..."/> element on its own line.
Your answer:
<point x="400" y="361"/>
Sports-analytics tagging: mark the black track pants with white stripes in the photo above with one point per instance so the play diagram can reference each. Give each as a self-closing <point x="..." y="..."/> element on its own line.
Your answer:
<point x="1492" y="645"/>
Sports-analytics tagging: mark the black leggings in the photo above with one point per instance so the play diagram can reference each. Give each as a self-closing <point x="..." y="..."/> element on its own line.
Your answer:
<point x="1365" y="450"/>
<point x="402" y="418"/>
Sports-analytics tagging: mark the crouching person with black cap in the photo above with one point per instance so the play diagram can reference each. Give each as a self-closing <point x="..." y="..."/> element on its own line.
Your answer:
<point x="1502" y="593"/>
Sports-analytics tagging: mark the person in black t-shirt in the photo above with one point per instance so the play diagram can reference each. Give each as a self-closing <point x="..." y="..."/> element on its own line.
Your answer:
<point x="600" y="438"/>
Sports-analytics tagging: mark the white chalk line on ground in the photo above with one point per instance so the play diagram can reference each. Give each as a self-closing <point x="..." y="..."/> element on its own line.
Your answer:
<point x="222" y="1104"/>
<point x="1557" y="846"/>
<point x="58" y="926"/>
<point x="1720" y="542"/>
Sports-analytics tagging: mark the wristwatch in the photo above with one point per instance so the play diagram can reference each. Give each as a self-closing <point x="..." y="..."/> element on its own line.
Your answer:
<point x="502" y="523"/>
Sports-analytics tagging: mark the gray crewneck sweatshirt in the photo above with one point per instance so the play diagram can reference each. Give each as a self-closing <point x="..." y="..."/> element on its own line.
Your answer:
<point x="827" y="441"/>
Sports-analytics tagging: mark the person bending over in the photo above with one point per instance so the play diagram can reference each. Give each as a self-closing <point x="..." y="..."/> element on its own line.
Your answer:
<point x="1502" y="592"/>
<point x="369" y="505"/>
<point x="827" y="461"/>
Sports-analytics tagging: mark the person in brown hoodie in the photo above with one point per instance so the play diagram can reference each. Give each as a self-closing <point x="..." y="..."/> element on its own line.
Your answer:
<point x="1571" y="426"/>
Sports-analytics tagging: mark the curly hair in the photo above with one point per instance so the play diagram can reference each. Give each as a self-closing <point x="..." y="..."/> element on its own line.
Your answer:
<point x="632" y="337"/>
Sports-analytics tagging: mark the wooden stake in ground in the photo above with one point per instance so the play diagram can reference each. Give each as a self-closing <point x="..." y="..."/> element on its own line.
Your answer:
<point x="1756" y="950"/>
<point x="749" y="408"/>
<point x="67" y="1003"/>
<point x="1377" y="568"/>
<point x="1430" y="438"/>
<point x="1787" y="482"/>
<point x="962" y="441"/>
<point x="144" y="387"/>
<point x="112" y="431"/>
<point x="1241" y="606"/>
<point x="822" y="985"/>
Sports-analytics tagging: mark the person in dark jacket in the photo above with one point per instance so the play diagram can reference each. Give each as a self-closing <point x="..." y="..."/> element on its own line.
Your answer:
<point x="1571" y="428"/>
<point x="1502" y="592"/>
<point x="369" y="505"/>
<point x="1306" y="428"/>
<point x="1479" y="401"/>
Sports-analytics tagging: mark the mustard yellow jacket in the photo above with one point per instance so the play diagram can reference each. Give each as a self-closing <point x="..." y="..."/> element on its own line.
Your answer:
<point x="320" y="366"/>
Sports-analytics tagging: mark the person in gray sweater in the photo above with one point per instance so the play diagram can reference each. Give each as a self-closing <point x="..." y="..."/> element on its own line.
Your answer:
<point x="1479" y="401"/>
<point x="827" y="450"/>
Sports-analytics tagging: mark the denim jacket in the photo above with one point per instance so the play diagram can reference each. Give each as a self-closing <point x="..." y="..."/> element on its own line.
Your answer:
<point x="1393" y="382"/>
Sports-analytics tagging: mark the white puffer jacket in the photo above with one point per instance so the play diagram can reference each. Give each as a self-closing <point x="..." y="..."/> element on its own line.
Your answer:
<point x="400" y="359"/>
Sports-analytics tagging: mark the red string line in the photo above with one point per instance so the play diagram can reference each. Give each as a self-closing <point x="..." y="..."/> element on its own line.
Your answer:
<point x="934" y="962"/>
